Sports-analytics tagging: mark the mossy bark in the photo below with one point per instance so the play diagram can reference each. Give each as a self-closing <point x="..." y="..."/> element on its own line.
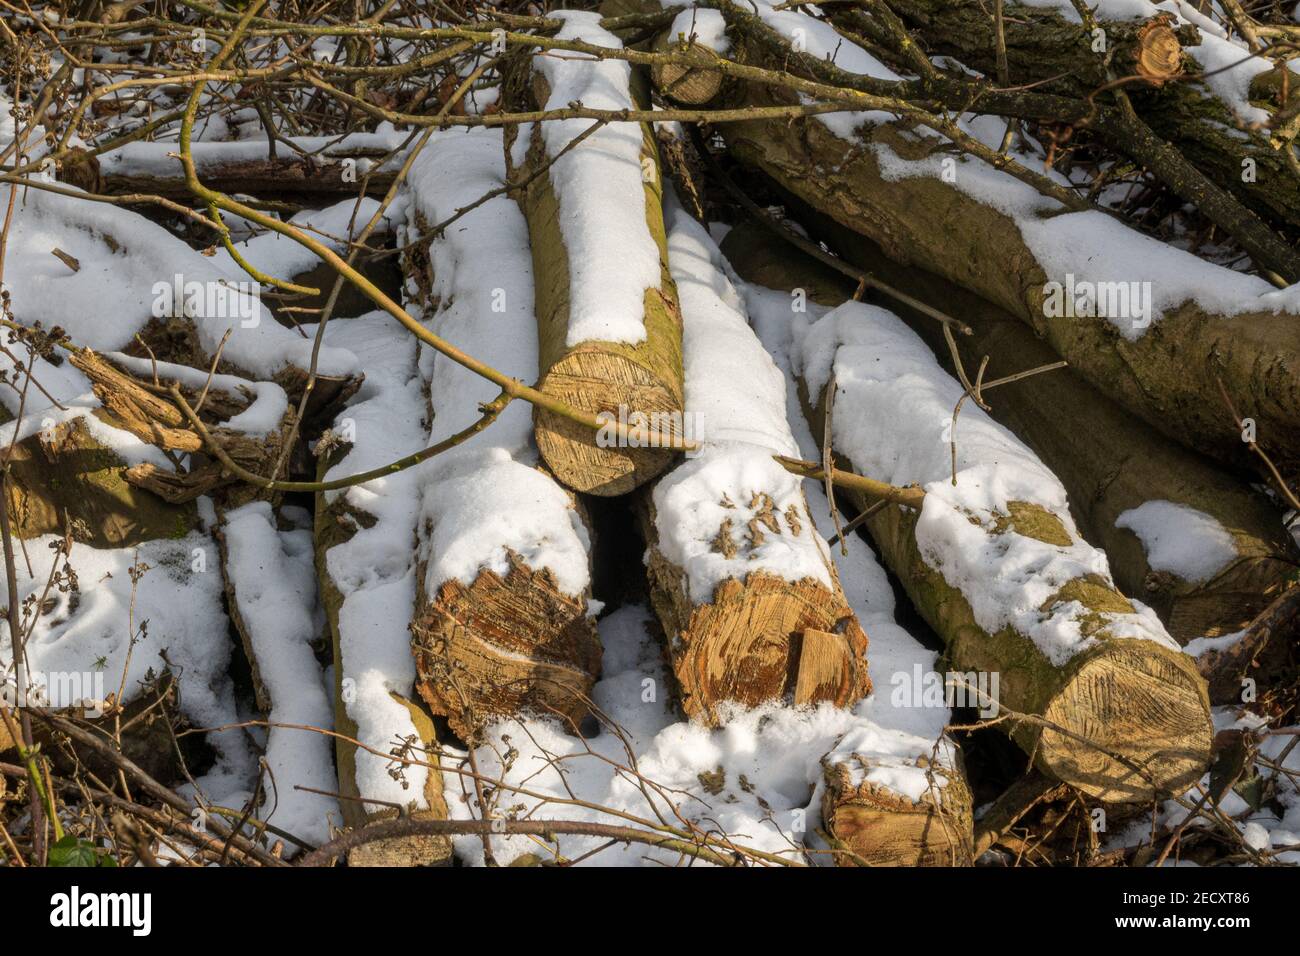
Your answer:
<point x="1168" y="375"/>
<point x="593" y="376"/>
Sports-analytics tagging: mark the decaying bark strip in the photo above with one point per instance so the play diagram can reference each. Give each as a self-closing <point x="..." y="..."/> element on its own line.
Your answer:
<point x="63" y="479"/>
<point x="1109" y="461"/>
<point x="618" y="378"/>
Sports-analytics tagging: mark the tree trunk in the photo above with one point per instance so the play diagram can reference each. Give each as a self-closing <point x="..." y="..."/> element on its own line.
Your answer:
<point x="1167" y="375"/>
<point x="1122" y="464"/>
<point x="1130" y="698"/>
<point x="639" y="382"/>
<point x="502" y="623"/>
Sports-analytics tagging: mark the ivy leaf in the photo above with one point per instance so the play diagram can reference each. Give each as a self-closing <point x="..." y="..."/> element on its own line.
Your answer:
<point x="70" y="851"/>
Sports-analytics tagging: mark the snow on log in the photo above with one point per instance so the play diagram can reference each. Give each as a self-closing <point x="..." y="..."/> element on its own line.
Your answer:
<point x="271" y="598"/>
<point x="607" y="313"/>
<point x="503" y="620"/>
<point x="122" y="276"/>
<point x="917" y="807"/>
<point x="1149" y="324"/>
<point x="739" y="576"/>
<point x="995" y="565"/>
<point x="1201" y="547"/>
<point x="365" y="562"/>
<point x="1217" y="120"/>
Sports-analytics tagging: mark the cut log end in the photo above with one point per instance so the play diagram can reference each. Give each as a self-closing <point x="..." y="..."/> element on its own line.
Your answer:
<point x="601" y="463"/>
<point x="505" y="645"/>
<point x="1133" y="700"/>
<point x="691" y="84"/>
<point x="758" y="641"/>
<point x="871" y="825"/>
<point x="1159" y="55"/>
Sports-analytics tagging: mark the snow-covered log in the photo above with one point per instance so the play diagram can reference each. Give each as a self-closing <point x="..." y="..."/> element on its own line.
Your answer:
<point x="503" y="620"/>
<point x="124" y="283"/>
<point x="1149" y="324"/>
<point x="995" y="565"/>
<point x="740" y="578"/>
<point x="1206" y="551"/>
<point x="365" y="561"/>
<point x="608" y="320"/>
<point x="271" y="597"/>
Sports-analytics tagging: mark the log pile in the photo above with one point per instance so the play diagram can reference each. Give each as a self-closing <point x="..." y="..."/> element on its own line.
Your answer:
<point x="740" y="417"/>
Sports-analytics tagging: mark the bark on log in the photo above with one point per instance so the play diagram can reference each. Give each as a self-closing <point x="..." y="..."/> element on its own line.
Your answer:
<point x="593" y="376"/>
<point x="1109" y="461"/>
<point x="287" y="175"/>
<point x="872" y="824"/>
<point x="1128" y="698"/>
<point x="1168" y="375"/>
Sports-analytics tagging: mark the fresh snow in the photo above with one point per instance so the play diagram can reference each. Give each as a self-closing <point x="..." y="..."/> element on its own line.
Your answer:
<point x="1180" y="539"/>
<point x="85" y="635"/>
<point x="599" y="185"/>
